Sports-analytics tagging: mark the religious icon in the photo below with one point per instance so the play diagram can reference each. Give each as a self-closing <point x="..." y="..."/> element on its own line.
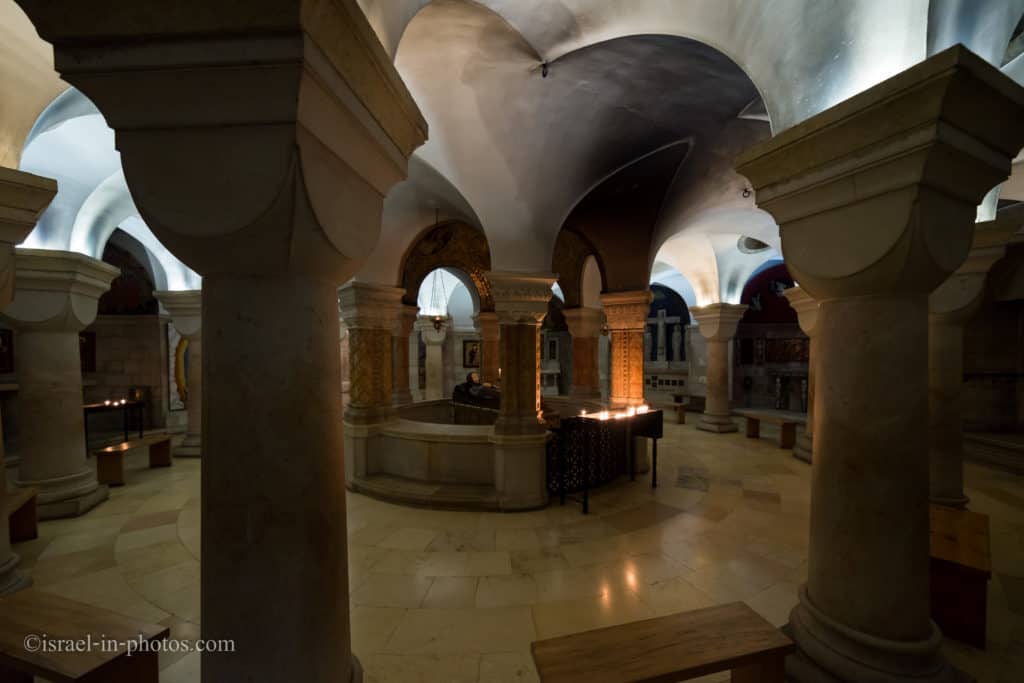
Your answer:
<point x="470" y="353"/>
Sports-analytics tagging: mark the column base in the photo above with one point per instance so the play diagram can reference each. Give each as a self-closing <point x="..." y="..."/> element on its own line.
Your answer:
<point x="960" y="501"/>
<point x="67" y="496"/>
<point x="803" y="448"/>
<point x="830" y="652"/>
<point x="719" y="424"/>
<point x="12" y="580"/>
<point x="520" y="470"/>
<point x="357" y="669"/>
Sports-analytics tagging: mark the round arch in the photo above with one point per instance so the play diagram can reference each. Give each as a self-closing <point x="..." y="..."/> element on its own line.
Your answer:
<point x="452" y="245"/>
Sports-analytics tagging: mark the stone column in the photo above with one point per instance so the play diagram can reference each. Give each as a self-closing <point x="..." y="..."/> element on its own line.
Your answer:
<point x="433" y="332"/>
<point x="258" y="147"/>
<point x="23" y="197"/>
<point x="807" y="315"/>
<point x="951" y="306"/>
<point x="521" y="302"/>
<point x="185" y="309"/>
<point x="585" y="327"/>
<point x="56" y="298"/>
<point x="718" y="325"/>
<point x="876" y="200"/>
<point x="627" y="320"/>
<point x="402" y="328"/>
<point x="490" y="332"/>
<point x="370" y="312"/>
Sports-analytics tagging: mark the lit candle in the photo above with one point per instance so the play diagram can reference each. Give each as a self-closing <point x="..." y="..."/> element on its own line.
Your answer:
<point x="107" y="402"/>
<point x="642" y="409"/>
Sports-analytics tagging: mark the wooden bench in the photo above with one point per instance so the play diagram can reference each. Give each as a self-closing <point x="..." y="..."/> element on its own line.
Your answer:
<point x="960" y="570"/>
<point x="787" y="422"/>
<point x="110" y="460"/>
<point x="94" y="642"/>
<point x="677" y="647"/>
<point x="20" y="510"/>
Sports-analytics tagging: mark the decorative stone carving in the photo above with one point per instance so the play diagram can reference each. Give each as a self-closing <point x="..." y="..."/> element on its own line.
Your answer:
<point x="486" y="323"/>
<point x="401" y="393"/>
<point x="626" y="313"/>
<point x="56" y="296"/>
<point x="185" y="309"/>
<point x="876" y="200"/>
<point x="449" y="245"/>
<point x="718" y="325"/>
<point x="370" y="312"/>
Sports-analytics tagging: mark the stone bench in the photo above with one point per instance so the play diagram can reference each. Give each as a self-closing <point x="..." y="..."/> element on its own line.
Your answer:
<point x="98" y="642"/>
<point x="787" y="422"/>
<point x="20" y="510"/>
<point x="959" y="570"/>
<point x="110" y="460"/>
<point x="677" y="647"/>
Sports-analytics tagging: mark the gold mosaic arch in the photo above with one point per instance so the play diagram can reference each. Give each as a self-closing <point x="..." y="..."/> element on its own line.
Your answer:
<point x="452" y="244"/>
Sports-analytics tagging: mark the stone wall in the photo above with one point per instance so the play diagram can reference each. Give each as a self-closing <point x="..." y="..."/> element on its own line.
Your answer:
<point x="993" y="393"/>
<point x="131" y="351"/>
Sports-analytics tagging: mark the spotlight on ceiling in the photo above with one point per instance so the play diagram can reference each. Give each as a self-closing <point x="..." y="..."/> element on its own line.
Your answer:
<point x="746" y="192"/>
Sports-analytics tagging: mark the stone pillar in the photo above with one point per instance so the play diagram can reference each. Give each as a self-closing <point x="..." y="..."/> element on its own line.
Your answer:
<point x="370" y="312"/>
<point x="23" y="197"/>
<point x="627" y="320"/>
<point x="585" y="327"/>
<point x="807" y="314"/>
<point x="404" y="321"/>
<point x="433" y="332"/>
<point x="258" y="147"/>
<point x="951" y="306"/>
<point x="718" y="325"/>
<point x="490" y="332"/>
<point x="185" y="309"/>
<point x="876" y="200"/>
<point x="56" y="298"/>
<point x="521" y="302"/>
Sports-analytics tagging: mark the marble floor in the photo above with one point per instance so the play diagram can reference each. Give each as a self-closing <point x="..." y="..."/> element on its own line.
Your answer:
<point x="450" y="596"/>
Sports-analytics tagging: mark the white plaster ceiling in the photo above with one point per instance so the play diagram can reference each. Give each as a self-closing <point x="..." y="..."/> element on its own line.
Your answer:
<point x="72" y="143"/>
<point x="512" y="152"/>
<point x="712" y="265"/>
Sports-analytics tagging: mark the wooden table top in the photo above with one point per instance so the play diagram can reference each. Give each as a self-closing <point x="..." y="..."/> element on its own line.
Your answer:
<point x="960" y="537"/>
<point x="32" y="612"/>
<point x="664" y="649"/>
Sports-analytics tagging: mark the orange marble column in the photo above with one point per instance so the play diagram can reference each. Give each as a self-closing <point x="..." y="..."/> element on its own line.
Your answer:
<point x="627" y="317"/>
<point x="490" y="333"/>
<point x="585" y="328"/>
<point x="369" y="312"/>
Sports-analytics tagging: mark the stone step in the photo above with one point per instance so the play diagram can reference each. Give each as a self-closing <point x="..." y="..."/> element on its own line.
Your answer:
<point x="427" y="494"/>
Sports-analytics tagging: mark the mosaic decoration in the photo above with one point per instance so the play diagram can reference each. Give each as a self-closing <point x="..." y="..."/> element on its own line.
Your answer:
<point x="177" y="370"/>
<point x="449" y="245"/>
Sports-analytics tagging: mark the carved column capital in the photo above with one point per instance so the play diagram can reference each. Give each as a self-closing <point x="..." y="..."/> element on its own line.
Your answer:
<point x="584" y="322"/>
<point x="185" y="309"/>
<point x="56" y="290"/>
<point x="364" y="305"/>
<point x="717" y="322"/>
<point x="520" y="298"/>
<point x="806" y="308"/>
<point x="627" y="310"/>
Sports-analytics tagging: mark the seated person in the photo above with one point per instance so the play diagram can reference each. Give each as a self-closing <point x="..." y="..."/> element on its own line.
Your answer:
<point x="472" y="392"/>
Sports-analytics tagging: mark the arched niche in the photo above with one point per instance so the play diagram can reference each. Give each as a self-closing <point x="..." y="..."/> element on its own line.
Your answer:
<point x="579" y="270"/>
